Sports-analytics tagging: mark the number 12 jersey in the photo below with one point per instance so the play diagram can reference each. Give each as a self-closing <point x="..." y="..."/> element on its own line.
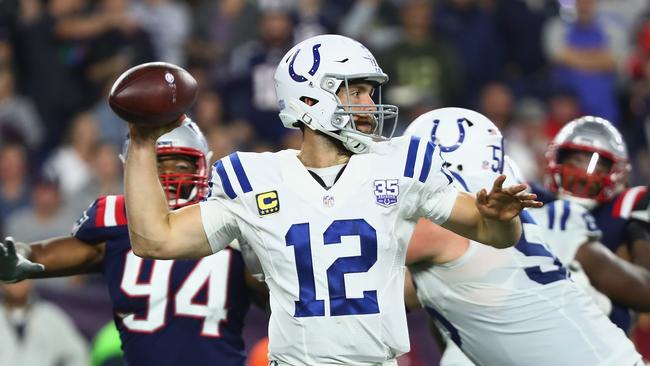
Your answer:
<point x="333" y="258"/>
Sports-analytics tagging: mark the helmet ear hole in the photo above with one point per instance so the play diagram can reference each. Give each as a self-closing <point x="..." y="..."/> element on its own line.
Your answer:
<point x="459" y="167"/>
<point x="309" y="101"/>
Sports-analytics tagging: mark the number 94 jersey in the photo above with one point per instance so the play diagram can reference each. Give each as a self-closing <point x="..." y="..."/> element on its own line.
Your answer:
<point x="333" y="259"/>
<point x="517" y="306"/>
<point x="169" y="312"/>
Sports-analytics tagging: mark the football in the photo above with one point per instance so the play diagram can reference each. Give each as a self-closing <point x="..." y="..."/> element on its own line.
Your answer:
<point x="155" y="93"/>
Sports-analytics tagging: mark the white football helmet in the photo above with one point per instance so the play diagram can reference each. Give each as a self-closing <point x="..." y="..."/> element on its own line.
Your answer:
<point x="470" y="144"/>
<point x="512" y="171"/>
<point x="317" y="68"/>
<point x="187" y="141"/>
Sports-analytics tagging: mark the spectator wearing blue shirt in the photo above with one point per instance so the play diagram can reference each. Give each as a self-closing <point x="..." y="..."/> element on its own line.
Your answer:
<point x="585" y="51"/>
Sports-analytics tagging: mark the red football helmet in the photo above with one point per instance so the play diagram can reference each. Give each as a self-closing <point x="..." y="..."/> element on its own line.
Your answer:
<point x="587" y="161"/>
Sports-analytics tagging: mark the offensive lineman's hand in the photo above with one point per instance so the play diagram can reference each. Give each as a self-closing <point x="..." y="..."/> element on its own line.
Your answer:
<point x="15" y="267"/>
<point x="503" y="204"/>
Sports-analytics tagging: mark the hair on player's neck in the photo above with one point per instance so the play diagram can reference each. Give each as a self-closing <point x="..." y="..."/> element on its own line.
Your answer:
<point x="320" y="151"/>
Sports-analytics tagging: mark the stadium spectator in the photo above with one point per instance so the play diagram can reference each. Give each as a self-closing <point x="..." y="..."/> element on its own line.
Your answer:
<point x="473" y="32"/>
<point x="526" y="138"/>
<point x="50" y="62"/>
<point x="19" y="120"/>
<point x="250" y="94"/>
<point x="637" y="128"/>
<point x="70" y="164"/>
<point x="496" y="103"/>
<point x="563" y="106"/>
<point x="586" y="52"/>
<point x="314" y="17"/>
<point x="44" y="218"/>
<point x="208" y="110"/>
<point x="519" y="26"/>
<point x="35" y="332"/>
<point x="168" y="24"/>
<point x="15" y="185"/>
<point x="421" y="62"/>
<point x="372" y="21"/>
<point x="106" y="178"/>
<point x="218" y="27"/>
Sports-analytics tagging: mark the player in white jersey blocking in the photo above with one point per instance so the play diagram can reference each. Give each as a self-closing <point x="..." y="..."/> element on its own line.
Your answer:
<point x="515" y="306"/>
<point x="331" y="222"/>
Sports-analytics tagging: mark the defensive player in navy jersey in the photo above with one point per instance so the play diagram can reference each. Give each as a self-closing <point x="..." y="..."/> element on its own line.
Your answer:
<point x="182" y="312"/>
<point x="588" y="164"/>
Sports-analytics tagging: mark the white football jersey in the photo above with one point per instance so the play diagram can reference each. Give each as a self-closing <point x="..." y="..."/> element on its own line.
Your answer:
<point x="333" y="259"/>
<point x="516" y="306"/>
<point x="568" y="225"/>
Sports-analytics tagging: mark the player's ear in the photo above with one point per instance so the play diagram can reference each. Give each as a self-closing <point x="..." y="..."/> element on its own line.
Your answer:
<point x="309" y="101"/>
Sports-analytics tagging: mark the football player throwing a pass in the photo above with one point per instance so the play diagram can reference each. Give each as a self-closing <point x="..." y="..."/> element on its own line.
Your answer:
<point x="331" y="222"/>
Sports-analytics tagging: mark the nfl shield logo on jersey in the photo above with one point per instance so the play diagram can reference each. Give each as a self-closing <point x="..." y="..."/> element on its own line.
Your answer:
<point x="328" y="201"/>
<point x="386" y="192"/>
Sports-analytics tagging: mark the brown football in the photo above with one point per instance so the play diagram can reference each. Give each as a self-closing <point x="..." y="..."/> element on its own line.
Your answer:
<point x="154" y="93"/>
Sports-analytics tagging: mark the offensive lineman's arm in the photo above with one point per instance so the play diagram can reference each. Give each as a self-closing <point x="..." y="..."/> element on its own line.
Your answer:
<point x="618" y="279"/>
<point x="410" y="295"/>
<point x="155" y="231"/>
<point x="491" y="218"/>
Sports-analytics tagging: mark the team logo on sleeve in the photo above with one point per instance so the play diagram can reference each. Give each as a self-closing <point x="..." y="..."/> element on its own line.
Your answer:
<point x="267" y="203"/>
<point x="77" y="225"/>
<point x="386" y="192"/>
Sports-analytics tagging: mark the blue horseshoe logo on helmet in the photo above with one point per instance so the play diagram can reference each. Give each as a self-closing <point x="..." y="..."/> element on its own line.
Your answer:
<point x="314" y="66"/>
<point x="461" y="134"/>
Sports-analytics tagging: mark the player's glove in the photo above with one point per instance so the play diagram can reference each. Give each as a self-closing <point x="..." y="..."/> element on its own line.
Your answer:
<point x="16" y="267"/>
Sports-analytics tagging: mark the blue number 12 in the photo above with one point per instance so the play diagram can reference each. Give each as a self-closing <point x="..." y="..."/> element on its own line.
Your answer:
<point x="307" y="304"/>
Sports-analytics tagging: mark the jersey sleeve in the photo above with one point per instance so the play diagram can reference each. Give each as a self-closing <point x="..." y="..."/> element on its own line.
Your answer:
<point x="581" y="223"/>
<point x="433" y="189"/>
<point x="104" y="219"/>
<point x="567" y="226"/>
<point x="633" y="203"/>
<point x="219" y="210"/>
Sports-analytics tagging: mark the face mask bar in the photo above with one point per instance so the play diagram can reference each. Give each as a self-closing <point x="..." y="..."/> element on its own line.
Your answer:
<point x="378" y="114"/>
<point x="581" y="184"/>
<point x="183" y="189"/>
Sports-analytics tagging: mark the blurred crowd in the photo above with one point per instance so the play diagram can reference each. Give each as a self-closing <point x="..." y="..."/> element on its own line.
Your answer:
<point x="529" y="65"/>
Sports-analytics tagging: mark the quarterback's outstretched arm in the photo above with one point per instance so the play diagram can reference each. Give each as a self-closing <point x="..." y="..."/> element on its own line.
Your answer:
<point x="155" y="231"/>
<point x="491" y="218"/>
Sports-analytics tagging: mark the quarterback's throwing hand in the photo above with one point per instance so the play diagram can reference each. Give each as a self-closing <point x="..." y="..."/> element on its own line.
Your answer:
<point x="15" y="267"/>
<point x="504" y="204"/>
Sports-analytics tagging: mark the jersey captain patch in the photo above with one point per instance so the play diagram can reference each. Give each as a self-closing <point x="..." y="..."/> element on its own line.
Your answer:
<point x="267" y="203"/>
